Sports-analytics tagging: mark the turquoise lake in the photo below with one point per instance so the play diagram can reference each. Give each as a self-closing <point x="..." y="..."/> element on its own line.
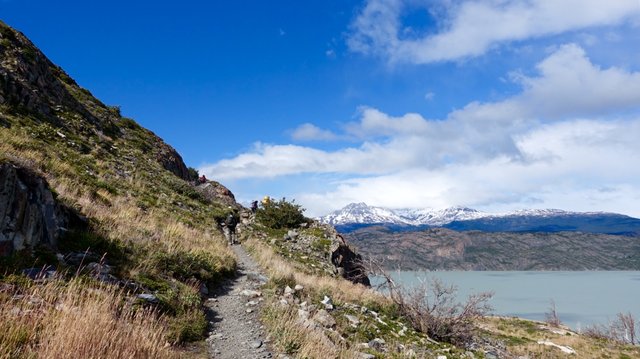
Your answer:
<point x="581" y="298"/>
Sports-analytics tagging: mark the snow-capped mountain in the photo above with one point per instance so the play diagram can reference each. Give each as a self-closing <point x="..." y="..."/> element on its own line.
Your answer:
<point x="361" y="213"/>
<point x="438" y="217"/>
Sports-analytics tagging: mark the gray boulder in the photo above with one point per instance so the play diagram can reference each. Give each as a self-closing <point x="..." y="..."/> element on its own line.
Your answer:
<point x="29" y="214"/>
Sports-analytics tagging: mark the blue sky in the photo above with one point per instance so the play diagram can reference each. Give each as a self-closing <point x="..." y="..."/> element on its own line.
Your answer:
<point x="495" y="104"/>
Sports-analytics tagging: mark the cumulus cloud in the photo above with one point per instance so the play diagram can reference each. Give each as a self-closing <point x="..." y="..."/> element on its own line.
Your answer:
<point x="568" y="86"/>
<point x="570" y="134"/>
<point x="311" y="132"/>
<point x="583" y="163"/>
<point x="470" y="28"/>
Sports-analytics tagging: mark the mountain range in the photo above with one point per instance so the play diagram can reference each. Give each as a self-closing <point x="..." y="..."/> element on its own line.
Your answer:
<point x="359" y="215"/>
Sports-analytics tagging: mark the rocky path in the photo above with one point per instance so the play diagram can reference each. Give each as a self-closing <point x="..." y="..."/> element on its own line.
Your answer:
<point x="233" y="312"/>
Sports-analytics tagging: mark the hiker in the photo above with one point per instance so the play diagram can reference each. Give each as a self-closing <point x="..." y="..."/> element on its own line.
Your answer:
<point x="202" y="179"/>
<point x="229" y="228"/>
<point x="254" y="206"/>
<point x="266" y="201"/>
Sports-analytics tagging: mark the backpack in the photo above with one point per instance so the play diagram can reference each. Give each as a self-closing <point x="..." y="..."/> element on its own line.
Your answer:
<point x="231" y="220"/>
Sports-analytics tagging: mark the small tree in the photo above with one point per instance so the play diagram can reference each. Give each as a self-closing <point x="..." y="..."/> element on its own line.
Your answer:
<point x="432" y="308"/>
<point x="622" y="330"/>
<point x="281" y="214"/>
<point x="552" y="315"/>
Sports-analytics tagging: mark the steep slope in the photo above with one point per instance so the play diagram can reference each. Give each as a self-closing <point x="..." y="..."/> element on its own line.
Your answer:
<point x="144" y="226"/>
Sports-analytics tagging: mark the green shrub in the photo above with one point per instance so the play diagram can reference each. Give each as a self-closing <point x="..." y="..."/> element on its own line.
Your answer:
<point x="186" y="266"/>
<point x="79" y="241"/>
<point x="281" y="214"/>
<point x="321" y="244"/>
<point x="278" y="281"/>
<point x="129" y="123"/>
<point x="29" y="54"/>
<point x="186" y="189"/>
<point x="189" y="327"/>
<point x="116" y="110"/>
<point x="193" y="173"/>
<point x="37" y="257"/>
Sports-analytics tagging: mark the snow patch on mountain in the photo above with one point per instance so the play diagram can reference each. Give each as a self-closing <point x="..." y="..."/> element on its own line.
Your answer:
<point x="363" y="213"/>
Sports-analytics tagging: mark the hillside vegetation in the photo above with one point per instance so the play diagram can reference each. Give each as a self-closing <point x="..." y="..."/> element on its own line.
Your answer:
<point x="139" y="215"/>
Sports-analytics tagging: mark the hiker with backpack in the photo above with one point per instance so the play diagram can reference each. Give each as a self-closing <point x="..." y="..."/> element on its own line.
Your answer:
<point x="229" y="228"/>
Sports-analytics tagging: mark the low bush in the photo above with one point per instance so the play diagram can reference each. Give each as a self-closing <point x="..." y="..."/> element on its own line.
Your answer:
<point x="432" y="308"/>
<point x="38" y="257"/>
<point x="187" y="266"/>
<point x="281" y="214"/>
<point x="188" y="327"/>
<point x="80" y="241"/>
<point x="622" y="330"/>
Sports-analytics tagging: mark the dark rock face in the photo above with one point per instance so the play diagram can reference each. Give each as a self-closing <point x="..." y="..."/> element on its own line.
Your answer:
<point x="29" y="215"/>
<point x="171" y="160"/>
<point x="348" y="263"/>
<point x="215" y="192"/>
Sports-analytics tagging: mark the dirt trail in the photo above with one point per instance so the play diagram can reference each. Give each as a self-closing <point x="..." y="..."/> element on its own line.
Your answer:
<point x="233" y="312"/>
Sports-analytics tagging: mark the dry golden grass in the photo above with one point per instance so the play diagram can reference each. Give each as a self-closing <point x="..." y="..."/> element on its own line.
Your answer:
<point x="289" y="334"/>
<point x="98" y="323"/>
<point x="75" y="320"/>
<point x="340" y="289"/>
<point x="290" y="337"/>
<point x="531" y="332"/>
<point x="121" y="219"/>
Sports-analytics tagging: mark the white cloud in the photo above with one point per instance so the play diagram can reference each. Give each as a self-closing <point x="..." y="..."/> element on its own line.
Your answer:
<point x="330" y="53"/>
<point x="429" y="96"/>
<point x="471" y="28"/>
<point x="584" y="164"/>
<point x="569" y="137"/>
<point x="376" y="123"/>
<point x="311" y="132"/>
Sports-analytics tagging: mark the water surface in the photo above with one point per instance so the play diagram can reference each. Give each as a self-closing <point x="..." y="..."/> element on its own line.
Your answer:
<point x="582" y="298"/>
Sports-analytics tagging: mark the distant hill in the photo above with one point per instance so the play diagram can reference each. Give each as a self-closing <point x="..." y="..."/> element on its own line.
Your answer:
<point x="359" y="215"/>
<point x="445" y="249"/>
<point x="609" y="223"/>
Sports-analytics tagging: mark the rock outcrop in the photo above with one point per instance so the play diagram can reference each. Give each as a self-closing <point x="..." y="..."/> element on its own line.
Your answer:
<point x="321" y="249"/>
<point x="29" y="213"/>
<point x="171" y="161"/>
<point x="215" y="192"/>
<point x="348" y="263"/>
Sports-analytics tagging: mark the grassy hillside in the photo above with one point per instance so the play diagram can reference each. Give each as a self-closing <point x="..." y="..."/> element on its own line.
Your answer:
<point x="144" y="219"/>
